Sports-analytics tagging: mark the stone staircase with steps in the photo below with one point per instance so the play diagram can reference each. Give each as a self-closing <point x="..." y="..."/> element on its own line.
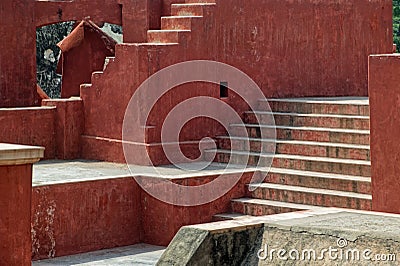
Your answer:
<point x="322" y="156"/>
<point x="173" y="27"/>
<point x="177" y="40"/>
<point x="180" y="22"/>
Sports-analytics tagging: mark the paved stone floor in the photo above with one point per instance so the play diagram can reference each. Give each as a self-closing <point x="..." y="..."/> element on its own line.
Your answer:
<point x="140" y="254"/>
<point x="57" y="171"/>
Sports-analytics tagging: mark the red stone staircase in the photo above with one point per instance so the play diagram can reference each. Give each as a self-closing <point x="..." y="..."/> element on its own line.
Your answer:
<point x="180" y="35"/>
<point x="322" y="156"/>
<point x="322" y="147"/>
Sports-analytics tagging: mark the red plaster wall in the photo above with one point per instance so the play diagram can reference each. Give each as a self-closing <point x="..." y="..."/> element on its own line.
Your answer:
<point x="68" y="122"/>
<point x="161" y="221"/>
<point x="81" y="217"/>
<point x="30" y="126"/>
<point x="166" y="6"/>
<point x="290" y="48"/>
<point x="108" y="213"/>
<point x="18" y="54"/>
<point x="305" y="48"/>
<point x="49" y="12"/>
<point x="384" y="97"/>
<point x="15" y="206"/>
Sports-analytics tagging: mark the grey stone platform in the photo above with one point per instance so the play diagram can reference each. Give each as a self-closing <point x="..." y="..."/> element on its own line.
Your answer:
<point x="57" y="172"/>
<point x="140" y="254"/>
<point x="329" y="236"/>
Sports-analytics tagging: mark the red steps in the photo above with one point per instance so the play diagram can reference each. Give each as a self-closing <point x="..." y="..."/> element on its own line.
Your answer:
<point x="309" y="120"/>
<point x="296" y="147"/>
<point x="322" y="155"/>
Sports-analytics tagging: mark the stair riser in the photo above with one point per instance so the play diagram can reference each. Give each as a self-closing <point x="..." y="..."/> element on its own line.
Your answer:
<point x="193" y="10"/>
<point x="220" y="219"/>
<point x="295" y="149"/>
<point x="199" y="1"/>
<point x="176" y="23"/>
<point x="306" y="135"/>
<point x="312" y="199"/>
<point x="162" y="37"/>
<point x="326" y="122"/>
<point x="296" y="164"/>
<point x="315" y="108"/>
<point x="319" y="182"/>
<point x="259" y="210"/>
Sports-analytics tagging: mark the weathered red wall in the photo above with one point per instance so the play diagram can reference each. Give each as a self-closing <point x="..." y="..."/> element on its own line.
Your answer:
<point x="160" y="229"/>
<point x="49" y="12"/>
<point x="81" y="217"/>
<point x="15" y="206"/>
<point x="304" y="48"/>
<point x="31" y="126"/>
<point x="384" y="98"/>
<point x="17" y="54"/>
<point x="290" y="48"/>
<point x="113" y="212"/>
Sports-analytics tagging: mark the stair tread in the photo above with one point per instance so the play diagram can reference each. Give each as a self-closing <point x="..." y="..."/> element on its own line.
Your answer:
<point x="319" y="174"/>
<point x="300" y="142"/>
<point x="232" y="216"/>
<point x="339" y="130"/>
<point x="310" y="115"/>
<point x="194" y="4"/>
<point x="291" y="156"/>
<point x="155" y="44"/>
<point x="319" y="191"/>
<point x="323" y="100"/>
<point x="155" y="31"/>
<point x="277" y="203"/>
<point x="171" y="17"/>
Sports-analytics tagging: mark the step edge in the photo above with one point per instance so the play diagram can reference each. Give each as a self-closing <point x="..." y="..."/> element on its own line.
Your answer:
<point x="300" y="142"/>
<point x="309" y="190"/>
<point x="294" y="157"/>
<point x="277" y="203"/>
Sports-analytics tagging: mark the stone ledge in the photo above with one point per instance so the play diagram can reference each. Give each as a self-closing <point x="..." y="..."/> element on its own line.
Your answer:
<point x="239" y="242"/>
<point x="14" y="154"/>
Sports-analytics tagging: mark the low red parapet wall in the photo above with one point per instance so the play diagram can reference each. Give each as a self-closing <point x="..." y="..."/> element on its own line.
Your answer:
<point x="161" y="221"/>
<point x="80" y="217"/>
<point x="30" y="126"/>
<point x="57" y="126"/>
<point x="108" y="213"/>
<point x="384" y="97"/>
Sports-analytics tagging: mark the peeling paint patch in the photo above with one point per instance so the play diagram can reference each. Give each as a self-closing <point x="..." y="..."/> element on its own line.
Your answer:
<point x="42" y="227"/>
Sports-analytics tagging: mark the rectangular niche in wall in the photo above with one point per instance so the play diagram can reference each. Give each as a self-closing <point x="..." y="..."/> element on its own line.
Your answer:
<point x="223" y="89"/>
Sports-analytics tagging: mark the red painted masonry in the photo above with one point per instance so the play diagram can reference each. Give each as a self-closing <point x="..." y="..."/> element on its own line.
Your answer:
<point x="385" y="127"/>
<point x="289" y="48"/>
<point x="15" y="202"/>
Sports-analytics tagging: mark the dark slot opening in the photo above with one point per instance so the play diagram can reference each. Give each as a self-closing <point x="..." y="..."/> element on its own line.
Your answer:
<point x="223" y="89"/>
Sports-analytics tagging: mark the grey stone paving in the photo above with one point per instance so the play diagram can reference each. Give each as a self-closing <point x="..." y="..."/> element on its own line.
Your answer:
<point x="57" y="172"/>
<point x="140" y="254"/>
<point x="347" y="224"/>
<point x="347" y="233"/>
